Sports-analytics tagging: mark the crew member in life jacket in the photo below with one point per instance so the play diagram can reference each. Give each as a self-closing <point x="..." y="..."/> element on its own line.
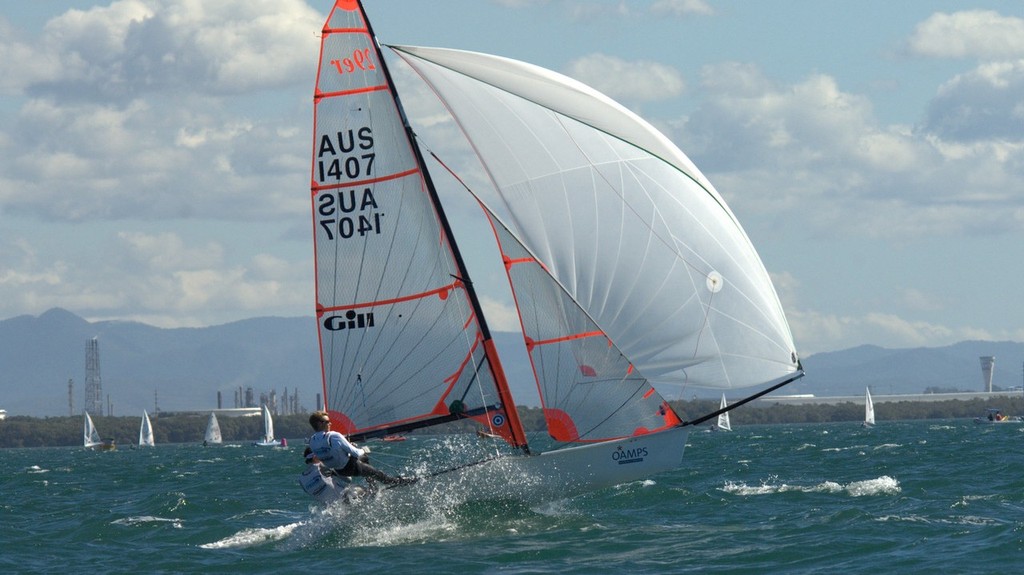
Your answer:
<point x="321" y="483"/>
<point x="339" y="455"/>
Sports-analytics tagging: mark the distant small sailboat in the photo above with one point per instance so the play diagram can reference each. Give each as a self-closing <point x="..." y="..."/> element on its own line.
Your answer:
<point x="268" y="431"/>
<point x="212" y="436"/>
<point x="869" y="409"/>
<point x="146" y="431"/>
<point x="723" y="418"/>
<point x="91" y="437"/>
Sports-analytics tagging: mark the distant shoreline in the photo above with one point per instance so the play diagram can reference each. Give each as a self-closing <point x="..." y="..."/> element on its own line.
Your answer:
<point x="29" y="431"/>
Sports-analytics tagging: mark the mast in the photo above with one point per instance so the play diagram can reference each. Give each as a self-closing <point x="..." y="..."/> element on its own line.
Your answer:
<point x="491" y="351"/>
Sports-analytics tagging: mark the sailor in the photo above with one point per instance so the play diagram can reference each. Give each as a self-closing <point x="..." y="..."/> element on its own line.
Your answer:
<point x="321" y="483"/>
<point x="342" y="457"/>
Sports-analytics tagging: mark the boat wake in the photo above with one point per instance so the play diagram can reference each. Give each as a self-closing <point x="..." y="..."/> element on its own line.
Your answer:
<point x="253" y="537"/>
<point x="884" y="485"/>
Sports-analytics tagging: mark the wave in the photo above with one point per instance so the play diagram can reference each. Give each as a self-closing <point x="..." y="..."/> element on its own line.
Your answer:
<point x="884" y="485"/>
<point x="143" y="519"/>
<point x="252" y="537"/>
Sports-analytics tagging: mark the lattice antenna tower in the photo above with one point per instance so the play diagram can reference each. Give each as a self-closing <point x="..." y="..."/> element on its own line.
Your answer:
<point x="93" y="383"/>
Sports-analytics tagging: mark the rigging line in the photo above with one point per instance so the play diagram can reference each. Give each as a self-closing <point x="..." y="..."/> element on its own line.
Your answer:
<point x="729" y="408"/>
<point x="463" y="466"/>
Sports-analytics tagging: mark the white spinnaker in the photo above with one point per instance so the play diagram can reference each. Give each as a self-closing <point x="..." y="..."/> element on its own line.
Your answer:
<point x="621" y="218"/>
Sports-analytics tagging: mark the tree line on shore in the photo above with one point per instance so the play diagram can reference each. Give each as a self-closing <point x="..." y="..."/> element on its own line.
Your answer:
<point x="23" y="431"/>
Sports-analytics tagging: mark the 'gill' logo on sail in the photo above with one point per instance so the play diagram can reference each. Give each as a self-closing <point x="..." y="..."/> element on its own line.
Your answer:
<point x="624" y="456"/>
<point x="351" y="320"/>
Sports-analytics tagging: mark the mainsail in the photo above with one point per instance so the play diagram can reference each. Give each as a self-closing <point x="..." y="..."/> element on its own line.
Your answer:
<point x="268" y="426"/>
<point x="869" y="408"/>
<point x="146" y="431"/>
<point x="90" y="436"/>
<point x="212" y="435"/>
<point x="403" y="342"/>
<point x="723" y="419"/>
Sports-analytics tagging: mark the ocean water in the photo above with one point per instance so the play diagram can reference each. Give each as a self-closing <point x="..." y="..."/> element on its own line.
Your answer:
<point x="913" y="497"/>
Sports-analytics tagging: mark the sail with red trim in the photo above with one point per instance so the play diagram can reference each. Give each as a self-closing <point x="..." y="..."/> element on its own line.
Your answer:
<point x="621" y="219"/>
<point x="589" y="391"/>
<point x="403" y="343"/>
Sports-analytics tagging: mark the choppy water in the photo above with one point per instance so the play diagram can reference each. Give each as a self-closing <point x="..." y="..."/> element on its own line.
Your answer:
<point x="913" y="497"/>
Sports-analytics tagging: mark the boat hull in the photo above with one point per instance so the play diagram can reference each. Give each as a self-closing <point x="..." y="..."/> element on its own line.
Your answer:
<point x="984" y="421"/>
<point x="566" y="472"/>
<point x="102" y="446"/>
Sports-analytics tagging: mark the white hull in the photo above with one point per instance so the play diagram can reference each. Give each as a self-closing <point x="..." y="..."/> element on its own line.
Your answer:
<point x="566" y="472"/>
<point x="984" y="421"/>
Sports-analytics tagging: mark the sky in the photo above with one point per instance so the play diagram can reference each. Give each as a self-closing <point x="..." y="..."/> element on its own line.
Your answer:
<point x="154" y="154"/>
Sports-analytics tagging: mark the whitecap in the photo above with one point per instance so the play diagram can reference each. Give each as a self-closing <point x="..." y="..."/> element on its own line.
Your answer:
<point x="252" y="537"/>
<point x="887" y="446"/>
<point x="143" y="519"/>
<point x="884" y="485"/>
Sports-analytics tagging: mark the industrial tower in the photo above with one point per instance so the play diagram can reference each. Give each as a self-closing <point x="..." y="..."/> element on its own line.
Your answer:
<point x="988" y="364"/>
<point x="93" y="384"/>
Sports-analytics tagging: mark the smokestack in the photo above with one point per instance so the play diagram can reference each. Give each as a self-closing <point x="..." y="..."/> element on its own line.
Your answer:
<point x="988" y="364"/>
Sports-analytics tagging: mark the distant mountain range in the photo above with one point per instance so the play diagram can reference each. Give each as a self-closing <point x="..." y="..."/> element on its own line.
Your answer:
<point x="184" y="368"/>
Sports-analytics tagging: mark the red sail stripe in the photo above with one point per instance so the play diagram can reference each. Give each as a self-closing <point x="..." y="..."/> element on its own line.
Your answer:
<point x="318" y="188"/>
<point x="534" y="342"/>
<point x="364" y="90"/>
<point x="440" y="292"/>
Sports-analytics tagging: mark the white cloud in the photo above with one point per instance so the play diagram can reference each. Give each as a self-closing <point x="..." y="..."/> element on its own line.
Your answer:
<point x="628" y="80"/>
<point x="815" y="332"/>
<point x="501" y="316"/>
<point x="146" y="118"/>
<point x="134" y="47"/>
<point x="982" y="34"/>
<point x="983" y="104"/>
<point x="812" y="147"/>
<point x="682" y="7"/>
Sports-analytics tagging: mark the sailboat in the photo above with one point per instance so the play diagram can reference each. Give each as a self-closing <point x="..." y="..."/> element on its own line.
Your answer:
<point x="629" y="272"/>
<point x="212" y="436"/>
<point x="146" y="431"/>
<point x="869" y="409"/>
<point x="91" y="437"/>
<point x="268" y="431"/>
<point x="723" y="423"/>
